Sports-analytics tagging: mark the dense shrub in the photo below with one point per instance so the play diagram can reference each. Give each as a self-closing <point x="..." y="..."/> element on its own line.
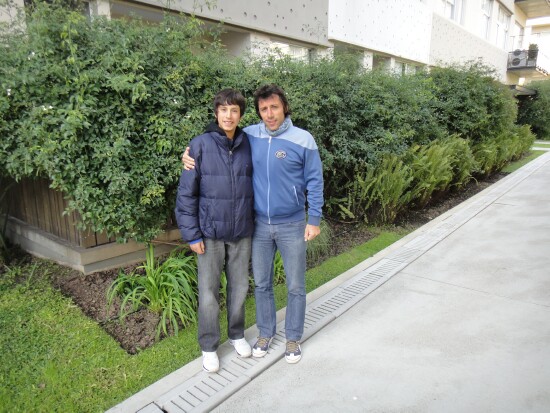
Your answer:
<point x="471" y="103"/>
<point x="535" y="111"/>
<point x="103" y="109"/>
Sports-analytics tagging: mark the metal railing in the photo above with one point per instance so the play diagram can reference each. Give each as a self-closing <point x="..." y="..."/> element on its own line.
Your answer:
<point x="523" y="59"/>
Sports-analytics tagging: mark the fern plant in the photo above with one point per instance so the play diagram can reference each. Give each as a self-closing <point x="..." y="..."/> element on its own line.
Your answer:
<point x="431" y="171"/>
<point x="387" y="188"/>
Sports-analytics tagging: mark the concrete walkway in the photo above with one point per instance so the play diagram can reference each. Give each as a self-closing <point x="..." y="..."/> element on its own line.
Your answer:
<point x="541" y="146"/>
<point x="455" y="317"/>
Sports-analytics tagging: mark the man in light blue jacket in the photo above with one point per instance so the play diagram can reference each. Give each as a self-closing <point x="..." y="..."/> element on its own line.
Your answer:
<point x="287" y="172"/>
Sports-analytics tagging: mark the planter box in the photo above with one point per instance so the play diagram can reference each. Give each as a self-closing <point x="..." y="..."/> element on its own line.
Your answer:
<point x="38" y="224"/>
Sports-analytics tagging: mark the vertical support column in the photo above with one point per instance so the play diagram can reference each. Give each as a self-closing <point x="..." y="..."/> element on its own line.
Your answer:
<point x="100" y="8"/>
<point x="368" y="60"/>
<point x="259" y="44"/>
<point x="8" y="12"/>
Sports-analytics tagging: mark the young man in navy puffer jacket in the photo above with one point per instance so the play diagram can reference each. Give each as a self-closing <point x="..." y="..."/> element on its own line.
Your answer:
<point x="214" y="211"/>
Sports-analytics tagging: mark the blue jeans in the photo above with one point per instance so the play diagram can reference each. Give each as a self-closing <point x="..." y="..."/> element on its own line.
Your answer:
<point x="236" y="255"/>
<point x="289" y="240"/>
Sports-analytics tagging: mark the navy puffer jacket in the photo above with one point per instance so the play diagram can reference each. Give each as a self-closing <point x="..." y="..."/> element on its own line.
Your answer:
<point x="216" y="200"/>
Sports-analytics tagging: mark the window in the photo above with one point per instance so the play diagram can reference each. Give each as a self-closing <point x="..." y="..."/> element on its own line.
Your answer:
<point x="452" y="9"/>
<point x="486" y="7"/>
<point x="519" y="33"/>
<point x="503" y="27"/>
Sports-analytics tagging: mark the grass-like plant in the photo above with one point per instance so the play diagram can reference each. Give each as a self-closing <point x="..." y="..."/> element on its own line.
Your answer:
<point x="320" y="245"/>
<point x="167" y="287"/>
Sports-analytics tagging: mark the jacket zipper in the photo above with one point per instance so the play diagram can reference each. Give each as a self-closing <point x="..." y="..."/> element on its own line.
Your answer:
<point x="232" y="191"/>
<point x="268" y="181"/>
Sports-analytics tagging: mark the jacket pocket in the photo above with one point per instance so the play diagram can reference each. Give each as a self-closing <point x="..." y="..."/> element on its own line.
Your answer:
<point x="207" y="225"/>
<point x="295" y="192"/>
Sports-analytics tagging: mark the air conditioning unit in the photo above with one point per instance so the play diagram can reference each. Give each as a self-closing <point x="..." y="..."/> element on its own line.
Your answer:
<point x="518" y="58"/>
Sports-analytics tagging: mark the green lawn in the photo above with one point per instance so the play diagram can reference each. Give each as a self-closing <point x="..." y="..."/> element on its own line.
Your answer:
<point x="518" y="164"/>
<point x="54" y="358"/>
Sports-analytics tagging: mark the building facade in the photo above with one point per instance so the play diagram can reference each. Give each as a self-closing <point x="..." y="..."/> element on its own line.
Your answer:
<point x="396" y="35"/>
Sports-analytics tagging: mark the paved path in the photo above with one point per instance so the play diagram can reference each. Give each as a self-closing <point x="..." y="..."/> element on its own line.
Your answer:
<point x="455" y="317"/>
<point x="541" y="146"/>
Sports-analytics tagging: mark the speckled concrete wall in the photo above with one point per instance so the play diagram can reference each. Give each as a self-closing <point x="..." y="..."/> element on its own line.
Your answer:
<point x="6" y="13"/>
<point x="304" y="20"/>
<point x="397" y="27"/>
<point x="452" y="44"/>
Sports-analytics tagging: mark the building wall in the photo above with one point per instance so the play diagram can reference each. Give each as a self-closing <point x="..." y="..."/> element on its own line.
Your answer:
<point x="304" y="20"/>
<point x="395" y="27"/>
<point x="7" y="13"/>
<point x="450" y="43"/>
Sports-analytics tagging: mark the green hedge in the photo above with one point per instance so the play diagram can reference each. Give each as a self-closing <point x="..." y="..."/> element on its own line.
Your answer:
<point x="535" y="110"/>
<point x="103" y="109"/>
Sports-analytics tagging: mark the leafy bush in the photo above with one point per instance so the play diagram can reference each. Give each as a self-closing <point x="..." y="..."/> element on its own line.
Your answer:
<point x="535" y="111"/>
<point x="103" y="109"/>
<point x="355" y="116"/>
<point x="470" y="102"/>
<point x="168" y="288"/>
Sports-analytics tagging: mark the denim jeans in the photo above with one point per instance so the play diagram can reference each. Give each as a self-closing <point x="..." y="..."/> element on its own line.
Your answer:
<point x="236" y="255"/>
<point x="288" y="238"/>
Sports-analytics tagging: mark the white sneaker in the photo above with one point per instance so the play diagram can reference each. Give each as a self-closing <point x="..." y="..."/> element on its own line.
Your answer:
<point x="242" y="347"/>
<point x="210" y="361"/>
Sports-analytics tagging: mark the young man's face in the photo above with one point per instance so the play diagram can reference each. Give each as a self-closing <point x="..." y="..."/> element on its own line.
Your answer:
<point x="228" y="117"/>
<point x="272" y="112"/>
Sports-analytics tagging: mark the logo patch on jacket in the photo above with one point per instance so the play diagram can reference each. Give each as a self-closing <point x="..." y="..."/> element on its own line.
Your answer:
<point x="280" y="154"/>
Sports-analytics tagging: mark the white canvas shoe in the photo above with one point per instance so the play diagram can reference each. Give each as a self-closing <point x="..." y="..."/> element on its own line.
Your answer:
<point x="242" y="347"/>
<point x="210" y="361"/>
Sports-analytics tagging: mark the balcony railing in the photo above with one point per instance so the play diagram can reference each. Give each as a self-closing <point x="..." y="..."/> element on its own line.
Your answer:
<point x="529" y="64"/>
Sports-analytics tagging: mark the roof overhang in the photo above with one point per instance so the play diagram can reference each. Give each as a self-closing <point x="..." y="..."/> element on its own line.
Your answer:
<point x="534" y="8"/>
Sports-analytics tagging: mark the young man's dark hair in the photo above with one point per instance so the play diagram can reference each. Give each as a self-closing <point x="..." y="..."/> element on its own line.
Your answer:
<point x="229" y="97"/>
<point x="265" y="92"/>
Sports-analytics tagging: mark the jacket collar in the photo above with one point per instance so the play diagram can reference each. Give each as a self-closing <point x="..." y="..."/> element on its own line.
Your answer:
<point x="221" y="137"/>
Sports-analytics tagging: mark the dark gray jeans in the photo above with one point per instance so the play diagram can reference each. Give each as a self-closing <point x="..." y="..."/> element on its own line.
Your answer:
<point x="236" y="256"/>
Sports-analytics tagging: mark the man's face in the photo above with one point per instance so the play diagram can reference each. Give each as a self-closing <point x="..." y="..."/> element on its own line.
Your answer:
<point x="228" y="117"/>
<point x="272" y="112"/>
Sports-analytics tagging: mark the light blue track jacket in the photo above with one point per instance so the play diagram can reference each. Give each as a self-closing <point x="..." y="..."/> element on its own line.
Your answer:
<point x="285" y="167"/>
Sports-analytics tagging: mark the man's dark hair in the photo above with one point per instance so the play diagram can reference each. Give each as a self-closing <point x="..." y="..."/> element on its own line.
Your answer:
<point x="266" y="91"/>
<point x="229" y="97"/>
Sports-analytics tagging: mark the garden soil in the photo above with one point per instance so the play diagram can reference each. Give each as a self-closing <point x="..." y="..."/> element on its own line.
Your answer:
<point x="138" y="331"/>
